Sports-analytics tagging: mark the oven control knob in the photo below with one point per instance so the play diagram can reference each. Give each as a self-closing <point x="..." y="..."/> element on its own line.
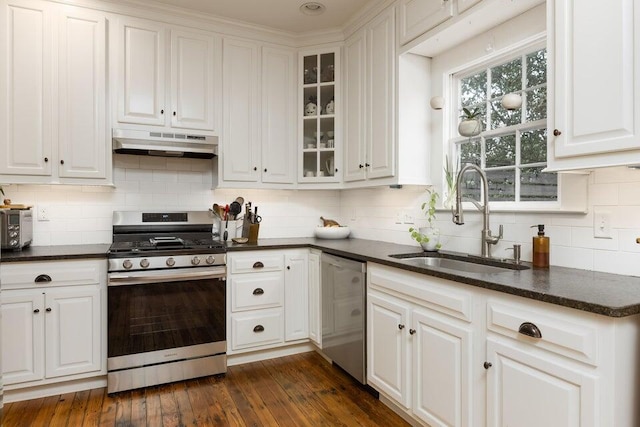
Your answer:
<point x="195" y="260"/>
<point x="127" y="264"/>
<point x="13" y="234"/>
<point x="210" y="259"/>
<point x="171" y="262"/>
<point x="144" y="263"/>
<point x="14" y="242"/>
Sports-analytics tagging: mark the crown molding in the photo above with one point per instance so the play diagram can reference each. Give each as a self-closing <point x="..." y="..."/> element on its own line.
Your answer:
<point x="365" y="15"/>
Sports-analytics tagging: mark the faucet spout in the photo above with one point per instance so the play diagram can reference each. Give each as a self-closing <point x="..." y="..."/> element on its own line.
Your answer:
<point x="458" y="214"/>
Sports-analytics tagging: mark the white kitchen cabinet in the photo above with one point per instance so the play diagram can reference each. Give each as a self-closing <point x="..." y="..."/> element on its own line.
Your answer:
<point x="370" y="100"/>
<point x="530" y="390"/>
<point x="320" y="110"/>
<point x="54" y="94"/>
<point x="278" y="115"/>
<point x="52" y="327"/>
<point x="241" y="135"/>
<point x="167" y="76"/>
<point x="594" y="108"/>
<point x="315" y="301"/>
<point x="420" y="16"/>
<point x="296" y="295"/>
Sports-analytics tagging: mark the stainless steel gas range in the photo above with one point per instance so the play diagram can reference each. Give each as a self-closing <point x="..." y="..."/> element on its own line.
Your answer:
<point x="166" y="299"/>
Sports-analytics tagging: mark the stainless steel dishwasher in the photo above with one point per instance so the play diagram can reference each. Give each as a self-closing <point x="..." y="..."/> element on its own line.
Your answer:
<point x="343" y="288"/>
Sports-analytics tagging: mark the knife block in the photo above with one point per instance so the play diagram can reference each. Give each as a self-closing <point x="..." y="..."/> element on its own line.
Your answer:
<point x="254" y="229"/>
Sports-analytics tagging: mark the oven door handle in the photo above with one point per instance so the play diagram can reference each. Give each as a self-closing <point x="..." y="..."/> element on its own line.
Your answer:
<point x="149" y="277"/>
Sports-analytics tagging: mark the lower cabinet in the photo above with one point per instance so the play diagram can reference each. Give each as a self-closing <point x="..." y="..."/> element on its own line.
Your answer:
<point x="315" y="302"/>
<point x="268" y="299"/>
<point x="53" y="332"/>
<point x="417" y="354"/>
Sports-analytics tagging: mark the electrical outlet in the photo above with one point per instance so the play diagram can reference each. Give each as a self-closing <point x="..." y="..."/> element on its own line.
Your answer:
<point x="43" y="213"/>
<point x="602" y="224"/>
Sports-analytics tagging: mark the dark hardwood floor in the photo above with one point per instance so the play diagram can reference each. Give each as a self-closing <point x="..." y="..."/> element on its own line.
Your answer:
<point x="299" y="390"/>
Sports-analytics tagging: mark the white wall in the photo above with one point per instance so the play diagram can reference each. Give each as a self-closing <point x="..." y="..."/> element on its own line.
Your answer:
<point x="83" y="214"/>
<point x="614" y="190"/>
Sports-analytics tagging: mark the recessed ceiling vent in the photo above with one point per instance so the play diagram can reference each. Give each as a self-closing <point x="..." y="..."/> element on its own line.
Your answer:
<point x="312" y="8"/>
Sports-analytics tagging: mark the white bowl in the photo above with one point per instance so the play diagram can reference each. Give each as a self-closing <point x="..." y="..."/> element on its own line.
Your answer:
<point x="332" y="232"/>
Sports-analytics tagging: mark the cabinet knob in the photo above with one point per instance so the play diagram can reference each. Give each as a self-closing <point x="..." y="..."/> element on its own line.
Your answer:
<point x="46" y="159"/>
<point x="367" y="164"/>
<point x="288" y="267"/>
<point x="175" y="114"/>
<point x="401" y="326"/>
<point x="487" y="365"/>
<point x="530" y="330"/>
<point x="360" y="166"/>
<point x="43" y="278"/>
<point x="36" y="311"/>
<point x="48" y="309"/>
<point x="265" y="169"/>
<point x="62" y="162"/>
<point x="258" y="328"/>
<point x="255" y="168"/>
<point x="336" y="170"/>
<point x="161" y="111"/>
<point x="556" y="132"/>
<point x="412" y="331"/>
<point x="258" y="291"/>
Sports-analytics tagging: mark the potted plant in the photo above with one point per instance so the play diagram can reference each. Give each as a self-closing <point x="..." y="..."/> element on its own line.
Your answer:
<point x="470" y="124"/>
<point x="428" y="237"/>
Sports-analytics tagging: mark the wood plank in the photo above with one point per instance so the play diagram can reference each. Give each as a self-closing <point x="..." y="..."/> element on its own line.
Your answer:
<point x="222" y="410"/>
<point x="78" y="408"/>
<point x="94" y="407"/>
<point x="196" y="392"/>
<point x="123" y="408"/>
<point x="154" y="407"/>
<point x="63" y="410"/>
<point x="240" y="401"/>
<point x="247" y="387"/>
<point x="108" y="414"/>
<point x="187" y="417"/>
<point x="169" y="406"/>
<point x="138" y="408"/>
<point x="45" y="413"/>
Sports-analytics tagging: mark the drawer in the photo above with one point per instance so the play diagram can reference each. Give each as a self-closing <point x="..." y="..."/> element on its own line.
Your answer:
<point x="53" y="273"/>
<point x="257" y="328"/>
<point x="255" y="262"/>
<point x="254" y="291"/>
<point x="571" y="336"/>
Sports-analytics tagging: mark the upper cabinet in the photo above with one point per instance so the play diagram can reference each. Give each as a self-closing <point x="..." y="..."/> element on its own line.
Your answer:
<point x="53" y="87"/>
<point x="319" y="110"/>
<point x="168" y="76"/>
<point x="594" y="116"/>
<point x="385" y="123"/>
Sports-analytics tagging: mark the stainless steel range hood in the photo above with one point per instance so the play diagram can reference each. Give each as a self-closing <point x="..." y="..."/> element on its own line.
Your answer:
<point x="164" y="144"/>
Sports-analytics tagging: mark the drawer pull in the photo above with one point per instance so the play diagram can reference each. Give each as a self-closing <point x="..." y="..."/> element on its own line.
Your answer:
<point x="258" y="328"/>
<point x="530" y="330"/>
<point x="258" y="264"/>
<point x="43" y="278"/>
<point x="258" y="291"/>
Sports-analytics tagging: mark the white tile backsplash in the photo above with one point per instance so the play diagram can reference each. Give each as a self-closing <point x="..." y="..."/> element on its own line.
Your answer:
<point x="82" y="214"/>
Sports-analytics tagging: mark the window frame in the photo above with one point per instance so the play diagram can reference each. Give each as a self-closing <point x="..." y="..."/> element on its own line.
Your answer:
<point x="566" y="201"/>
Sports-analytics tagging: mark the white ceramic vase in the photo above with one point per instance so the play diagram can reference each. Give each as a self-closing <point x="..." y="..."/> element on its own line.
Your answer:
<point x="470" y="128"/>
<point x="433" y="234"/>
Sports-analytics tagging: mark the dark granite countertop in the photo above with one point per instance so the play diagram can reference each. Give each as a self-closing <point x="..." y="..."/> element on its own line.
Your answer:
<point x="52" y="253"/>
<point x="601" y="293"/>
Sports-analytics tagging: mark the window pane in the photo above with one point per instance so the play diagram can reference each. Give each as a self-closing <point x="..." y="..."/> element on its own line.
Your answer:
<point x="536" y="185"/>
<point x="506" y="78"/>
<point x="502" y="185"/>
<point x="473" y="89"/>
<point x="501" y="117"/>
<point x="533" y="146"/>
<point x="501" y="151"/>
<point x="536" y="104"/>
<point x="537" y="68"/>
<point x="470" y="152"/>
<point x="471" y="185"/>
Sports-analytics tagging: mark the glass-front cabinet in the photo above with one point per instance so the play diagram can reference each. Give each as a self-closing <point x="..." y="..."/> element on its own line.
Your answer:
<point x="319" y="111"/>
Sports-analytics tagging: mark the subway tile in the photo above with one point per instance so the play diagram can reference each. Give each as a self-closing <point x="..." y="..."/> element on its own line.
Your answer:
<point x="626" y="263"/>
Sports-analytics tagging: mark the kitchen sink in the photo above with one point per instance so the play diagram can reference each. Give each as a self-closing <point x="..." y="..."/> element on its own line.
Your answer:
<point x="460" y="262"/>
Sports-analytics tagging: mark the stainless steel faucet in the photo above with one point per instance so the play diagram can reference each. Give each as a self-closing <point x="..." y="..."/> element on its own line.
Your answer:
<point x="458" y="217"/>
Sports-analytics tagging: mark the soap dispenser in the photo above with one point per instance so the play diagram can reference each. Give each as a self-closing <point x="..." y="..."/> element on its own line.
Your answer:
<point x="540" y="248"/>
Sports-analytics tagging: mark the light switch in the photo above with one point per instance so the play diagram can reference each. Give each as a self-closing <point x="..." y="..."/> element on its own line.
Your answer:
<point x="601" y="224"/>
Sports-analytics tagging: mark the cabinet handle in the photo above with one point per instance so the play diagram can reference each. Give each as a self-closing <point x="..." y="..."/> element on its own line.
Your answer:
<point x="258" y="291"/>
<point x="258" y="264"/>
<point x="161" y="111"/>
<point x="412" y="331"/>
<point x="258" y="328"/>
<point x="62" y="162"/>
<point x="36" y="311"/>
<point x="401" y="326"/>
<point x="556" y="132"/>
<point x="48" y="309"/>
<point x="487" y="365"/>
<point x="530" y="330"/>
<point x="46" y="159"/>
<point x="43" y="278"/>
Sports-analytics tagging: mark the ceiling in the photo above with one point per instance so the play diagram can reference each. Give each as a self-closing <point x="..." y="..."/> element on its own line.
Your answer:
<point x="279" y="14"/>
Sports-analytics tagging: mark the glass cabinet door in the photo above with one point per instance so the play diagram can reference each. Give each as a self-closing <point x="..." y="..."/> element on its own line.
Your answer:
<point x="319" y="110"/>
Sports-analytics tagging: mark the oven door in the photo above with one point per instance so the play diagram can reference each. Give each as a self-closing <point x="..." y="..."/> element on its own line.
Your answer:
<point x="165" y="315"/>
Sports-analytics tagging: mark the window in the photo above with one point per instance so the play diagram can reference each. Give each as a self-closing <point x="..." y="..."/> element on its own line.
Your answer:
<point x="512" y="149"/>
